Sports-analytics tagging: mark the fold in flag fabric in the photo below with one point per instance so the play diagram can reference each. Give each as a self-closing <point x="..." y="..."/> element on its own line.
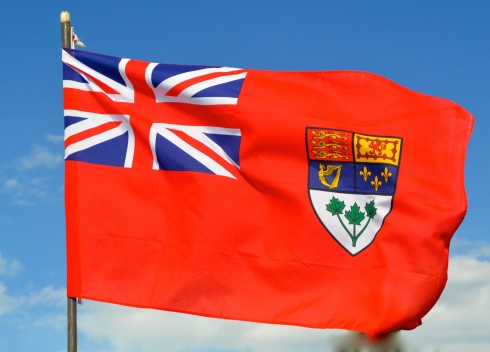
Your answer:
<point x="317" y="199"/>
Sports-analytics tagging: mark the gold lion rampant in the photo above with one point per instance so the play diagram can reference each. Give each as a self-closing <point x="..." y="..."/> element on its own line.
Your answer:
<point x="329" y="175"/>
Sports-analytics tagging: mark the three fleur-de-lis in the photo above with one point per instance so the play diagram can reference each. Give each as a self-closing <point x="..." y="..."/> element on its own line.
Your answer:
<point x="365" y="173"/>
<point x="376" y="183"/>
<point x="386" y="174"/>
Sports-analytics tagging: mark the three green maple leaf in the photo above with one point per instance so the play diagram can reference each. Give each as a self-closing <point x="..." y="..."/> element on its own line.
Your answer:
<point x="354" y="216"/>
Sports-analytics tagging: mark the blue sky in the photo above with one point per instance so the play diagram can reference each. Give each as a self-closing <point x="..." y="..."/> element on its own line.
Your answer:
<point x="438" y="48"/>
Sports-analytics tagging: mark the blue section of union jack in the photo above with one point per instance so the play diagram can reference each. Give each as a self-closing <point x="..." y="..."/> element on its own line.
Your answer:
<point x="195" y="148"/>
<point x="97" y="73"/>
<point x="195" y="85"/>
<point x="98" y="138"/>
<point x="94" y="135"/>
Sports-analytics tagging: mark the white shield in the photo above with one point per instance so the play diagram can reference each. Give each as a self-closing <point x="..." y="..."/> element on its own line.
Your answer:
<point x="353" y="237"/>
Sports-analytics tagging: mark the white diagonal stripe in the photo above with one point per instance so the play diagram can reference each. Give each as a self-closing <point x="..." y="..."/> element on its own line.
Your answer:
<point x="88" y="87"/>
<point x="197" y="133"/>
<point x="93" y="120"/>
<point x="126" y="94"/>
<point x="171" y="82"/>
<point x="190" y="91"/>
<point x="94" y="140"/>
<point x="196" y="101"/>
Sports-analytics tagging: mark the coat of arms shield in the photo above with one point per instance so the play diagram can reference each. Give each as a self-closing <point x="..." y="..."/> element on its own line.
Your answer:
<point x="351" y="182"/>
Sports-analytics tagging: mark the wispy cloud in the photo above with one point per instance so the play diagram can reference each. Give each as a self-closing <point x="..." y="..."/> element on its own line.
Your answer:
<point x="33" y="310"/>
<point x="460" y="320"/>
<point x="8" y="302"/>
<point x="54" y="138"/>
<point x="11" y="184"/>
<point x="9" y="267"/>
<point x="28" y="191"/>
<point x="48" y="296"/>
<point x="129" y="329"/>
<point x="39" y="157"/>
<point x="23" y="203"/>
<point x="28" y="179"/>
<point x="476" y="248"/>
<point x="42" y="307"/>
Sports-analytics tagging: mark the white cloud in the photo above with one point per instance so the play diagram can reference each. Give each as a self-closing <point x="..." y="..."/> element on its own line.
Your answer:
<point x="477" y="249"/>
<point x="11" y="184"/>
<point x="27" y="192"/>
<point x="31" y="181"/>
<point x="130" y="329"/>
<point x="459" y="322"/>
<point x="34" y="309"/>
<point x="54" y="138"/>
<point x="46" y="307"/>
<point x="47" y="296"/>
<point x="40" y="306"/>
<point x="57" y="321"/>
<point x="40" y="157"/>
<point x="9" y="268"/>
<point x="23" y="203"/>
<point x="8" y="303"/>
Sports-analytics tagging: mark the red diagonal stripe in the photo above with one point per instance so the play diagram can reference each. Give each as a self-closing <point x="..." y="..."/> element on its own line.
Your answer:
<point x="96" y="102"/>
<point x="203" y="148"/>
<point x="101" y="85"/>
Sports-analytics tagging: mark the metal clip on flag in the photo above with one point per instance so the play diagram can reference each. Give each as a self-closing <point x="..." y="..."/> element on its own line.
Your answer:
<point x="75" y="39"/>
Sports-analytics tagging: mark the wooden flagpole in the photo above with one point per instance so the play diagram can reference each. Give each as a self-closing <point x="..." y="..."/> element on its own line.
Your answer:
<point x="66" y="42"/>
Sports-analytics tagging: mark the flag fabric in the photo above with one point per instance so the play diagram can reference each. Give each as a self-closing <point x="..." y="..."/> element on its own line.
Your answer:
<point x="317" y="199"/>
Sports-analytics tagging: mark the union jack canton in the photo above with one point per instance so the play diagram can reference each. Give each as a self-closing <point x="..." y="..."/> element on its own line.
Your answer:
<point x="100" y="126"/>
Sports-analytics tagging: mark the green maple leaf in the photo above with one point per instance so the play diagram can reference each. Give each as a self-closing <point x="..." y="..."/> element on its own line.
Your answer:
<point x="354" y="215"/>
<point x="370" y="209"/>
<point x="335" y="206"/>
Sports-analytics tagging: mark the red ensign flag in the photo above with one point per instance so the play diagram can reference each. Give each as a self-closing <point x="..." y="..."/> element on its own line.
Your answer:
<point x="319" y="199"/>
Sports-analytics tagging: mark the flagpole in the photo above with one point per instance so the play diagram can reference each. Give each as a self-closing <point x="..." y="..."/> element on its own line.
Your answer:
<point x="66" y="43"/>
<point x="72" y="324"/>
